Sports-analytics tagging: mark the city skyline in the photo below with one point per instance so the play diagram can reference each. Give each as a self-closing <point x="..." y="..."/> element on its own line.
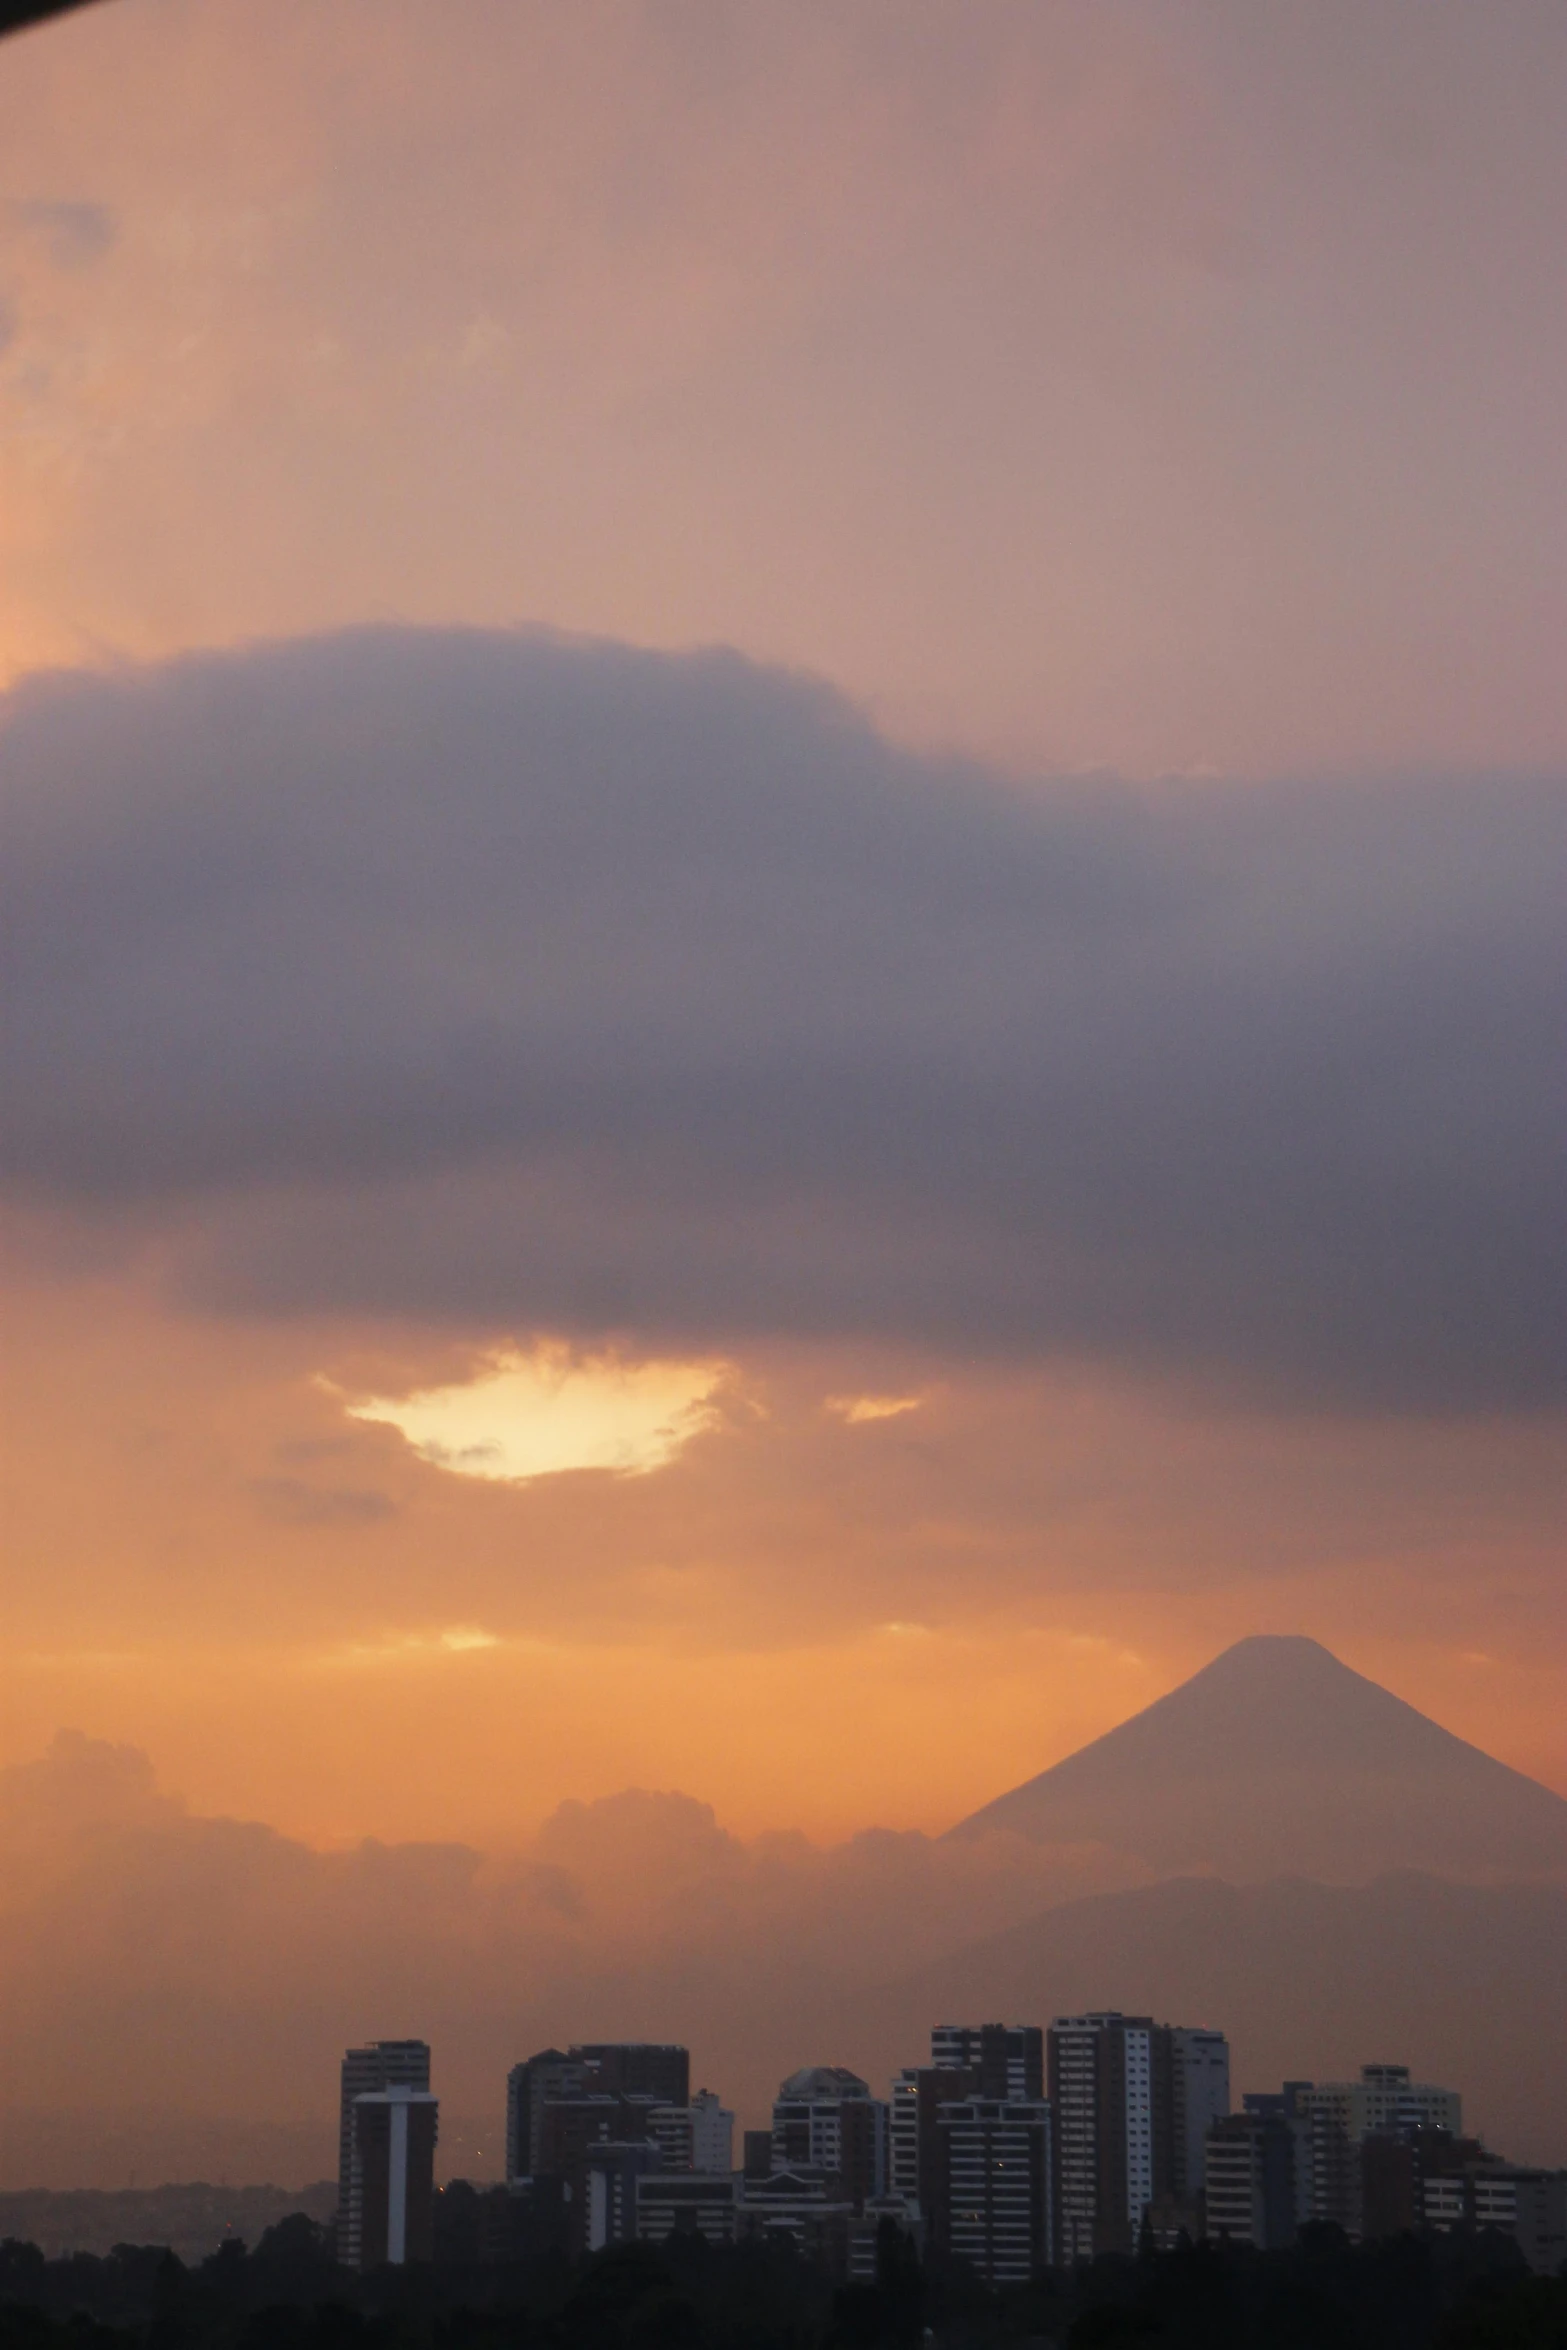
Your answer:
<point x="1013" y="2149"/>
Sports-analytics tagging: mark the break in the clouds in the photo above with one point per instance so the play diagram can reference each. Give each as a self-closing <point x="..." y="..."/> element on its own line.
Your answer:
<point x="555" y="985"/>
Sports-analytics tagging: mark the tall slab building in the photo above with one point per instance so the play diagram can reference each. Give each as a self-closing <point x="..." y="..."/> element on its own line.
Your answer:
<point x="1133" y="2102"/>
<point x="379" y="2065"/>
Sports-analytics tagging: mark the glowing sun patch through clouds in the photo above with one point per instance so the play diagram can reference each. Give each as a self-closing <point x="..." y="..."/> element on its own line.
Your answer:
<point x="533" y="1415"/>
<point x="857" y="1409"/>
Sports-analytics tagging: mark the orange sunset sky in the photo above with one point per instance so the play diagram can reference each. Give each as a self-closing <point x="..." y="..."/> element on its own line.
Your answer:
<point x="1013" y="1147"/>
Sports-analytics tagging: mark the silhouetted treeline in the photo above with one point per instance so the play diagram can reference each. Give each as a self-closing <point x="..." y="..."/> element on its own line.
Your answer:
<point x="1408" y="2293"/>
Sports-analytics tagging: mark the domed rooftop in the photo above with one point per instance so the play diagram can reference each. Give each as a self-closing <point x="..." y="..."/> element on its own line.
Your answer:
<point x="817" y="2084"/>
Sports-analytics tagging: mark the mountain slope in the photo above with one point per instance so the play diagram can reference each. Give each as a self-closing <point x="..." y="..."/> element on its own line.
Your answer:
<point x="1463" y="1982"/>
<point x="1277" y="1758"/>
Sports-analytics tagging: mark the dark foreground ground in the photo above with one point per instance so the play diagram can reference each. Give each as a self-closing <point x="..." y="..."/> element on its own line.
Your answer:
<point x="1405" y="2294"/>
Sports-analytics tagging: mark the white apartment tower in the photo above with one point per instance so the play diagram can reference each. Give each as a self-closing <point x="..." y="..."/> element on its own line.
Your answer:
<point x="1133" y="2101"/>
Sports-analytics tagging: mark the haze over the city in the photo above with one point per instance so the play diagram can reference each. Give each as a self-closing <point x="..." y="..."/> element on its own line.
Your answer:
<point x="782" y="866"/>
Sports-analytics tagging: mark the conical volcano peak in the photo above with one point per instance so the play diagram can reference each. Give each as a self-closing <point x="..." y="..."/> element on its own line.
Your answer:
<point x="1277" y="1757"/>
<point x="1281" y="1695"/>
<point x="1294" y="1652"/>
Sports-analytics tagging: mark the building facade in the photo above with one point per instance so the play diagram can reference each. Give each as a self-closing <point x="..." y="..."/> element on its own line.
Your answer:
<point x="379" y="2064"/>
<point x="1516" y="2200"/>
<point x="825" y="2120"/>
<point x="1002" y="2060"/>
<point x="1127" y="2095"/>
<point x="1257" y="2174"/>
<point x="1384" y="2105"/>
<point x="994" y="2161"/>
<point x="551" y="2074"/>
<point x="394" y="2163"/>
<point x="695" y="2137"/>
<point x="698" y="2203"/>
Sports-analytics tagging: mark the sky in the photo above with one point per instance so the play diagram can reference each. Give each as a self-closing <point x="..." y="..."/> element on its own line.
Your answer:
<point x="784" y="793"/>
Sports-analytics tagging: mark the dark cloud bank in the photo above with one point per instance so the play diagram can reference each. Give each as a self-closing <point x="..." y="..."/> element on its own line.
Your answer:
<point x="523" y="982"/>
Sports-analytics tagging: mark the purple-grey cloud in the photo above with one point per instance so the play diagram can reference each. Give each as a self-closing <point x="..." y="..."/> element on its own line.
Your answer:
<point x="533" y="982"/>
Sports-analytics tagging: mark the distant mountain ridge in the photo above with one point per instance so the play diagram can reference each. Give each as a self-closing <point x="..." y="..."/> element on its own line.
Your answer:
<point x="1460" y="1981"/>
<point x="1278" y="1760"/>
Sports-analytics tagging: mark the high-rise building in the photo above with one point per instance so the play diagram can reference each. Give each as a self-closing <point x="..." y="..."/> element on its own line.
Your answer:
<point x="1383" y="2104"/>
<point x="1257" y="2172"/>
<point x="551" y="2073"/>
<point x="659" y="2070"/>
<point x="694" y="2137"/>
<point x="380" y="2064"/>
<point x="903" y="2134"/>
<point x="1200" y="2096"/>
<point x="1002" y="2060"/>
<point x="618" y="2082"/>
<point x="994" y="2161"/>
<point x="1126" y="2093"/>
<point x="580" y="2115"/>
<point x="916" y="2164"/>
<point x="394" y="2172"/>
<point x="826" y="2120"/>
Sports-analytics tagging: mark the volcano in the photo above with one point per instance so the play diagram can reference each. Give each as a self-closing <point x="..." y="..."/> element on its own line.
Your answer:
<point x="1277" y="1760"/>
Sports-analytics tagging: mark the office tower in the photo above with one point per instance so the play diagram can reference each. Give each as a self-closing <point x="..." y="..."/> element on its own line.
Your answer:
<point x="1257" y="2172"/>
<point x="756" y="2154"/>
<point x="612" y="2089"/>
<point x="394" y="2134"/>
<point x="658" y="2070"/>
<point x="825" y="2119"/>
<point x="916" y="2168"/>
<point x="1003" y="2060"/>
<point x="994" y="2165"/>
<point x="381" y="2064"/>
<point x="903" y="2144"/>
<point x="551" y="2073"/>
<point x="1200" y="2096"/>
<point x="1126" y="2094"/>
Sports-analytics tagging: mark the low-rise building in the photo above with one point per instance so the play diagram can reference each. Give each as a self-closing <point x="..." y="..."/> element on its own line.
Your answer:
<point x="1515" y="2199"/>
<point x="698" y="2203"/>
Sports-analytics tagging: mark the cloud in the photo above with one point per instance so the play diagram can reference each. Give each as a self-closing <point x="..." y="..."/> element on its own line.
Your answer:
<point x="149" y="1955"/>
<point x="552" y="985"/>
<point x="856" y="1409"/>
<point x="156" y="1964"/>
<point x="74" y="233"/>
<point x="290" y="1501"/>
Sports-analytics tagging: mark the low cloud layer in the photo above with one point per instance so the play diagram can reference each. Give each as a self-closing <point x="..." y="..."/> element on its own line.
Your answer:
<point x="530" y="984"/>
<point x="153" y="1958"/>
<point x="179" y="1989"/>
